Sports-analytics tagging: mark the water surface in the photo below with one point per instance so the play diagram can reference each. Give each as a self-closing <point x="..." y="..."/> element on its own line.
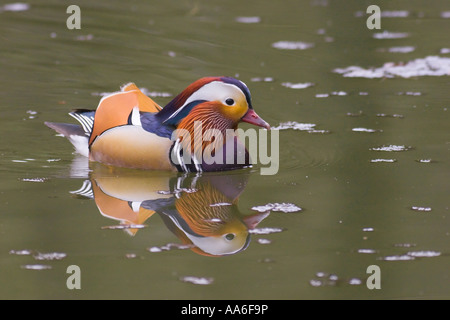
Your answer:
<point x="365" y="158"/>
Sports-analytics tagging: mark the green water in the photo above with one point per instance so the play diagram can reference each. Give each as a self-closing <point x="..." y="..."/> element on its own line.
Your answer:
<point x="356" y="212"/>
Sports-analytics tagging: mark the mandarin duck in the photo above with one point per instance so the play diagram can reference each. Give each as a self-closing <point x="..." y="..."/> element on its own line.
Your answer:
<point x="128" y="129"/>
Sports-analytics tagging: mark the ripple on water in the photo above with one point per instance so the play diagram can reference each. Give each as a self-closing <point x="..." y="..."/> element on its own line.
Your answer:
<point x="308" y="156"/>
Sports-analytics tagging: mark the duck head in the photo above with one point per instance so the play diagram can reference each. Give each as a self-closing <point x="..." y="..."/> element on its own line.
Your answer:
<point x="210" y="108"/>
<point x="218" y="102"/>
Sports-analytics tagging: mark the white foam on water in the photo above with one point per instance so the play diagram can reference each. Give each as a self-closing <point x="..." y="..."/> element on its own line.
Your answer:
<point x="297" y="85"/>
<point x="428" y="66"/>
<point x="197" y="280"/>
<point x="292" y="45"/>
<point x="280" y="207"/>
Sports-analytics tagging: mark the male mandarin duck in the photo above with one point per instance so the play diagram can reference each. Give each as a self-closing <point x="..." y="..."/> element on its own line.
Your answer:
<point x="128" y="129"/>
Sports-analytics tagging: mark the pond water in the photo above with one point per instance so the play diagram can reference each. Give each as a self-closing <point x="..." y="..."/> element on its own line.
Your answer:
<point x="364" y="141"/>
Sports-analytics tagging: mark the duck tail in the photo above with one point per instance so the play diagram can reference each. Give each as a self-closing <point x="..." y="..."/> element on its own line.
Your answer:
<point x="78" y="135"/>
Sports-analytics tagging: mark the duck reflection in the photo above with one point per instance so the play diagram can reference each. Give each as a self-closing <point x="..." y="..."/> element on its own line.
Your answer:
<point x="201" y="210"/>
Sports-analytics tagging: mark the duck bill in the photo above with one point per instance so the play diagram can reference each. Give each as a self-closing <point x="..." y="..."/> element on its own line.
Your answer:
<point x="253" y="118"/>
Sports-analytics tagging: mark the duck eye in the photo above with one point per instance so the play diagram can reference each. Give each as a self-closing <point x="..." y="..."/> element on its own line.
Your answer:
<point x="229" y="101"/>
<point x="229" y="236"/>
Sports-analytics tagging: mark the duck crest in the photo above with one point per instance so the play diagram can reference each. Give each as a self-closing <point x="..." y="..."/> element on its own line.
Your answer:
<point x="177" y="109"/>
